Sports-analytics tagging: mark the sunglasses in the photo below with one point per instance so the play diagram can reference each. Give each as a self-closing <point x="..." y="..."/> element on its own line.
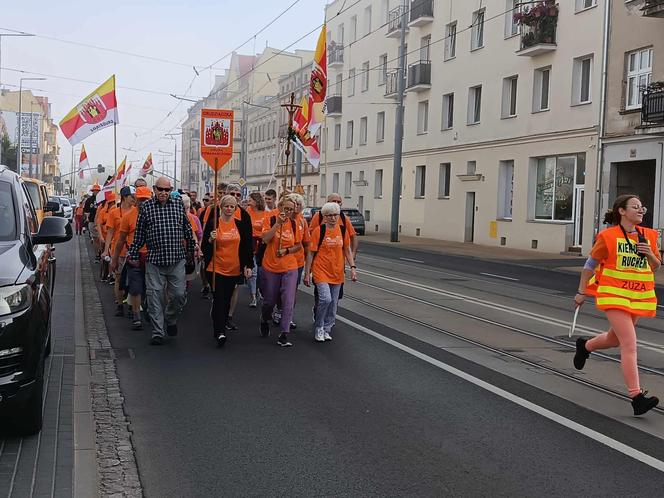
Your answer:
<point x="163" y="189"/>
<point x="236" y="194"/>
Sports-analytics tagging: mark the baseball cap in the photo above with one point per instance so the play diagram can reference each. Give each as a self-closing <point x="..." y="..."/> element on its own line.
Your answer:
<point x="96" y="187"/>
<point x="143" y="193"/>
<point x="128" y="190"/>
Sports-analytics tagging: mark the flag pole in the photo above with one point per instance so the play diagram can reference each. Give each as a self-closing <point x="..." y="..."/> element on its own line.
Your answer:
<point x="214" y="241"/>
<point x="115" y="157"/>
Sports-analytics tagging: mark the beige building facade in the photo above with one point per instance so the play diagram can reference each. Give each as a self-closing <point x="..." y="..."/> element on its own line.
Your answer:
<point x="501" y="121"/>
<point x="633" y="137"/>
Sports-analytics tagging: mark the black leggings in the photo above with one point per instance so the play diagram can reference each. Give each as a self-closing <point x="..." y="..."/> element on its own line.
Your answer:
<point x="221" y="302"/>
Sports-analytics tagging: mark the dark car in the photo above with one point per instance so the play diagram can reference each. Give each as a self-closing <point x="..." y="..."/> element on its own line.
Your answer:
<point x="309" y="213"/>
<point x="27" y="278"/>
<point x="356" y="219"/>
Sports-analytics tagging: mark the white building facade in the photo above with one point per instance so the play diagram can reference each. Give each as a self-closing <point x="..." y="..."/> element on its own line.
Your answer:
<point x="500" y="127"/>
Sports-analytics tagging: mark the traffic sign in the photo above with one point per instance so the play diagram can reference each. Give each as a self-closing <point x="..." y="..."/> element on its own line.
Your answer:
<point x="245" y="191"/>
<point x="242" y="182"/>
<point x="216" y="137"/>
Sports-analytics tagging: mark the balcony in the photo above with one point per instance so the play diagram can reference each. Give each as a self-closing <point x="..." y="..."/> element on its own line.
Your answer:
<point x="394" y="19"/>
<point x="653" y="8"/>
<point x="391" y="85"/>
<point x="421" y="13"/>
<point x="652" y="105"/>
<point x="419" y="76"/>
<point x="538" y="29"/>
<point x="334" y="106"/>
<point x="335" y="55"/>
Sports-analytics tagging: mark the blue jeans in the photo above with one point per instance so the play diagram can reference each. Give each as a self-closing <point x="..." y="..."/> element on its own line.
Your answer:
<point x="326" y="306"/>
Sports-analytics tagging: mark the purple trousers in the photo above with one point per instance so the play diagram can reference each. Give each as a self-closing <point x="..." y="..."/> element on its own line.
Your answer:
<point x="282" y="287"/>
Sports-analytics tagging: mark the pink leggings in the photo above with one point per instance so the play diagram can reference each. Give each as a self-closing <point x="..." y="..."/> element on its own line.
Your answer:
<point x="622" y="333"/>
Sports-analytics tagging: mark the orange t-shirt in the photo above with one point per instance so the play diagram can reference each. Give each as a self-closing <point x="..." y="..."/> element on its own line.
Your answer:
<point x="128" y="226"/>
<point x="303" y="228"/>
<point x="79" y="211"/>
<point x="102" y="218"/>
<point x="328" y="264"/>
<point x="113" y="223"/>
<point x="273" y="263"/>
<point x="316" y="219"/>
<point x="226" y="257"/>
<point x="257" y="220"/>
<point x="192" y="222"/>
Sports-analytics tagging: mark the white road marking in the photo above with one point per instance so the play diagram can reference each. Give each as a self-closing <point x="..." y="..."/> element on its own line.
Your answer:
<point x="499" y="276"/>
<point x="411" y="260"/>
<point x="650" y="346"/>
<point x="528" y="405"/>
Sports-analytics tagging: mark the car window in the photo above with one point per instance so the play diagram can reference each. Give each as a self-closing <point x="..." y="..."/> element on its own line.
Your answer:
<point x="351" y="212"/>
<point x="65" y="201"/>
<point x="33" y="190"/>
<point x="7" y="213"/>
<point x="29" y="211"/>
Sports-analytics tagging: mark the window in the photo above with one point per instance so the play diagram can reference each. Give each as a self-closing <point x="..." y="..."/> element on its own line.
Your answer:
<point x="471" y="167"/>
<point x="505" y="189"/>
<point x="380" y="126"/>
<point x="477" y="32"/>
<point x="639" y="74"/>
<point x="554" y="187"/>
<point x="335" y="183"/>
<point x="340" y="36"/>
<point x="444" y="172"/>
<point x="382" y="71"/>
<point x="541" y="89"/>
<point x="422" y="117"/>
<point x="363" y="130"/>
<point x="348" y="183"/>
<point x="384" y="11"/>
<point x="474" y="104"/>
<point x="581" y="80"/>
<point x="425" y="44"/>
<point x="338" y="85"/>
<point x="508" y="107"/>
<point x="349" y="134"/>
<point x="511" y="8"/>
<point x="420" y="181"/>
<point x="584" y="4"/>
<point x="367" y="21"/>
<point x="450" y="41"/>
<point x="337" y="136"/>
<point x="352" y="35"/>
<point x="351" y="82"/>
<point x="365" y="76"/>
<point x="448" y="111"/>
<point x="378" y="184"/>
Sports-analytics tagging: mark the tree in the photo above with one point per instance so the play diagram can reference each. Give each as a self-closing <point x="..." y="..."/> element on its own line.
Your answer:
<point x="7" y="153"/>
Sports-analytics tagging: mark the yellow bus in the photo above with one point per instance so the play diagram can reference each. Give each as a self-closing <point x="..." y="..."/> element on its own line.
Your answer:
<point x="38" y="195"/>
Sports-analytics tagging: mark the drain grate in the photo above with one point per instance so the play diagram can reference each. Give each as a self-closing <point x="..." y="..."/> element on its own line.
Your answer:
<point x="111" y="354"/>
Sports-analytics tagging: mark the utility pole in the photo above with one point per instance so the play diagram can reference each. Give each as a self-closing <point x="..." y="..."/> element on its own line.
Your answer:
<point x="244" y="148"/>
<point x="298" y="167"/>
<point x="398" y="131"/>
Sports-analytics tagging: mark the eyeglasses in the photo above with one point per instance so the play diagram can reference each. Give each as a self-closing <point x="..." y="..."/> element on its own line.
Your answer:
<point x="331" y="214"/>
<point x="206" y="200"/>
<point x="288" y="210"/>
<point x="236" y="194"/>
<point x="163" y="189"/>
<point x="640" y="208"/>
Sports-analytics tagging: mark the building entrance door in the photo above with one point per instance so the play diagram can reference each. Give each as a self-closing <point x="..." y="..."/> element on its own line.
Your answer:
<point x="637" y="177"/>
<point x="579" y="196"/>
<point x="470" y="217"/>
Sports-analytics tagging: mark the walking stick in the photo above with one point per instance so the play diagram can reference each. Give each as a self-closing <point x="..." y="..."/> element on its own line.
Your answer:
<point x="576" y="315"/>
<point x="214" y="242"/>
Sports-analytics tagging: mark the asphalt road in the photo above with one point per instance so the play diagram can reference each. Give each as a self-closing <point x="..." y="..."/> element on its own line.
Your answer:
<point x="355" y="417"/>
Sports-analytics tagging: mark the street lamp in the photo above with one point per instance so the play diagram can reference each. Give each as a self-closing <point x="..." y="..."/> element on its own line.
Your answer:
<point x="175" y="155"/>
<point x="20" y="104"/>
<point x="8" y="34"/>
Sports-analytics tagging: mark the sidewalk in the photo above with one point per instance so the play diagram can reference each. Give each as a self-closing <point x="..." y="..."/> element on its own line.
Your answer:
<point x="553" y="261"/>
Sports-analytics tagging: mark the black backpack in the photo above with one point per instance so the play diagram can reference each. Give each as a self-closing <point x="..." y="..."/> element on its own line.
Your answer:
<point x="260" y="250"/>
<point x="321" y="237"/>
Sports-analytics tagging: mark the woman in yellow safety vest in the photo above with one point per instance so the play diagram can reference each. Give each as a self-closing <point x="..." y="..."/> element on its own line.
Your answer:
<point x="619" y="273"/>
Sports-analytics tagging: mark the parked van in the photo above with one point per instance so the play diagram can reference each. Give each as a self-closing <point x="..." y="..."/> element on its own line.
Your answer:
<point x="38" y="195"/>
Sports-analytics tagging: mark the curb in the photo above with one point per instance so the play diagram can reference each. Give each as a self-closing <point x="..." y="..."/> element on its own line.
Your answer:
<point x="108" y="428"/>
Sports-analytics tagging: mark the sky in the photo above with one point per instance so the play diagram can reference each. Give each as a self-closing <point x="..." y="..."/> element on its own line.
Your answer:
<point x="185" y="33"/>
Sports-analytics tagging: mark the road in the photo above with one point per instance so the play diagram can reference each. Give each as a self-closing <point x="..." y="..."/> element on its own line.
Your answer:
<point x="441" y="381"/>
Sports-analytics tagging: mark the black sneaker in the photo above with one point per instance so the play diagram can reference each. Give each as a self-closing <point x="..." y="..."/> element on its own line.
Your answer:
<point x="642" y="403"/>
<point x="156" y="340"/>
<point x="230" y="324"/>
<point x="172" y="330"/>
<point x="137" y="324"/>
<point x="205" y="291"/>
<point x="221" y="340"/>
<point x="265" y="329"/>
<point x="283" y="341"/>
<point x="119" y="310"/>
<point x="582" y="353"/>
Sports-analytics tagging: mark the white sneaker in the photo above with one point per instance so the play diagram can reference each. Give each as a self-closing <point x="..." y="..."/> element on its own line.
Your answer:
<point x="320" y="335"/>
<point x="327" y="336"/>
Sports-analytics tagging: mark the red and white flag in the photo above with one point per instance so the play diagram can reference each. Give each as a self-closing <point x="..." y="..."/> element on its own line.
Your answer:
<point x="147" y="166"/>
<point x="121" y="174"/>
<point x="83" y="163"/>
